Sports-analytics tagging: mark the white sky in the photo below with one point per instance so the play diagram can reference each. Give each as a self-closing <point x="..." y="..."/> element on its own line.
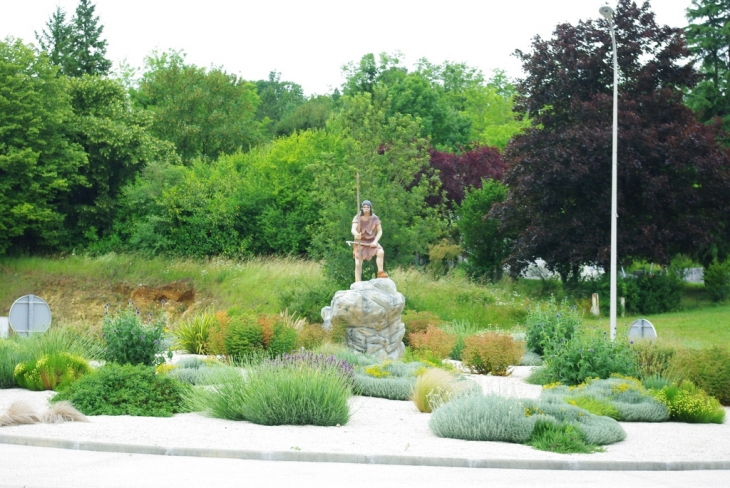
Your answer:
<point x="308" y="41"/>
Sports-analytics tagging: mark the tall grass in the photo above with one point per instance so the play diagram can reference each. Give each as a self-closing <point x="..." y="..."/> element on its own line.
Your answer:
<point x="279" y="392"/>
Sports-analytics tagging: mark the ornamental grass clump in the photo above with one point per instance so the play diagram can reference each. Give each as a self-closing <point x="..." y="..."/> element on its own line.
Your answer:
<point x="296" y="389"/>
<point x="53" y="371"/>
<point x="491" y="353"/>
<point x="436" y="387"/>
<point x="130" y="341"/>
<point x="193" y="335"/>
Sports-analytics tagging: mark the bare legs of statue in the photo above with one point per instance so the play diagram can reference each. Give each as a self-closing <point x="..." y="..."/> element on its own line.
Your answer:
<point x="379" y="258"/>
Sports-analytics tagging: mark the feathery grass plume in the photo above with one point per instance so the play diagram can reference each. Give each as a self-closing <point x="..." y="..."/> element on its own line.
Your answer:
<point x="391" y="388"/>
<point x="62" y="412"/>
<point x="483" y="418"/>
<point x="19" y="413"/>
<point x="62" y="339"/>
<point x="432" y="385"/>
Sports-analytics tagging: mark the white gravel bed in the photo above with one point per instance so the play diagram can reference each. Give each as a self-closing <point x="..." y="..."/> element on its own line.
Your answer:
<point x="376" y="427"/>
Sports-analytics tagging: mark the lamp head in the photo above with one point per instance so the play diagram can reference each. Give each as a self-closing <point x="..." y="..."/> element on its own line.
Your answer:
<point x="606" y="11"/>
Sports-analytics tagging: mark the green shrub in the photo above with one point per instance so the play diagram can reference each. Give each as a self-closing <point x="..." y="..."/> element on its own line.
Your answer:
<point x="418" y="322"/>
<point x="125" y="390"/>
<point x="549" y="324"/>
<point x="653" y="293"/>
<point x="129" y="341"/>
<point x="283" y="341"/>
<point x="244" y="336"/>
<point x="589" y="356"/>
<point x="708" y="368"/>
<point x="10" y="356"/>
<point x="53" y="371"/>
<point x="294" y="390"/>
<point x="652" y="359"/>
<point x="435" y="340"/>
<point x="491" y="352"/>
<point x="310" y="336"/>
<point x="619" y="397"/>
<point x="483" y="418"/>
<point x="717" y="280"/>
<point x="193" y="335"/>
<point x="391" y="388"/>
<point x="687" y="403"/>
<point x="308" y="301"/>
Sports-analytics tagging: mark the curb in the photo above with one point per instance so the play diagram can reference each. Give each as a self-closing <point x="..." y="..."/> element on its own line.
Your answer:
<point x="327" y="457"/>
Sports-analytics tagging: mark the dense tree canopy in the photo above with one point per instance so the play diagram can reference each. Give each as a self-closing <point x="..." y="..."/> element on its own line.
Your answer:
<point x="673" y="177"/>
<point x="205" y="113"/>
<point x="38" y="163"/>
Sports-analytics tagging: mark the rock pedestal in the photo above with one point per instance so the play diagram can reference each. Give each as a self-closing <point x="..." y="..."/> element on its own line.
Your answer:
<point x="371" y="311"/>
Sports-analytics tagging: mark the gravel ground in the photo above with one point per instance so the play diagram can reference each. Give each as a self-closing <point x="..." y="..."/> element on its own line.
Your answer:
<point x="377" y="427"/>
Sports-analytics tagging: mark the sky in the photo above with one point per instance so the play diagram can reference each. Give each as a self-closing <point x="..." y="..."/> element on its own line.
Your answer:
<point x="308" y="42"/>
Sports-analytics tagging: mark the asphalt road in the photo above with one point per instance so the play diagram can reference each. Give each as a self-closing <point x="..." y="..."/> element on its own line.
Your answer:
<point x="36" y="467"/>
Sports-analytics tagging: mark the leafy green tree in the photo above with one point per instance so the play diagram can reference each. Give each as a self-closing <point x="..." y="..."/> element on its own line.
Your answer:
<point x="708" y="36"/>
<point x="388" y="153"/>
<point x="312" y="114"/>
<point x="673" y="177"/>
<point x="205" y="113"/>
<point x="39" y="164"/>
<point x="490" y="108"/>
<point x="279" y="99"/>
<point x="76" y="46"/>
<point x="277" y="193"/>
<point x="118" y="144"/>
<point x="484" y="244"/>
<point x="420" y="94"/>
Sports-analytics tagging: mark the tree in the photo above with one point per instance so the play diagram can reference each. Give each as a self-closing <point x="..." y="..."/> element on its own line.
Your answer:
<point x="76" y="47"/>
<point x="312" y="114"/>
<point x="483" y="243"/>
<point x="709" y="40"/>
<point x="118" y="144"/>
<point x="673" y="177"/>
<point x="278" y="99"/>
<point x="205" y="113"/>
<point x="389" y="155"/>
<point x="58" y="40"/>
<point x="38" y="163"/>
<point x="460" y="172"/>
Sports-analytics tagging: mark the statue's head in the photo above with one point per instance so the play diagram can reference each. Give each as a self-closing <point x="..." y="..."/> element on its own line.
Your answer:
<point x="368" y="204"/>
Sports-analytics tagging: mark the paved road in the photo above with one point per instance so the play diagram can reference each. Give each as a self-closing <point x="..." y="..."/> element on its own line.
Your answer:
<point x="36" y="467"/>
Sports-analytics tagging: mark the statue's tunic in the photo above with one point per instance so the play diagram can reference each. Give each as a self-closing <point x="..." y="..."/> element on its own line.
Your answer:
<point x="368" y="231"/>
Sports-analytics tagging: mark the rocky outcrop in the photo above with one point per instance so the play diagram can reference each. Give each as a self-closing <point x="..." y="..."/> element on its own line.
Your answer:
<point x="371" y="311"/>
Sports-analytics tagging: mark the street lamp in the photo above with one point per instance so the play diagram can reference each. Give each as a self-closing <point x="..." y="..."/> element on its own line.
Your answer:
<point x="607" y="13"/>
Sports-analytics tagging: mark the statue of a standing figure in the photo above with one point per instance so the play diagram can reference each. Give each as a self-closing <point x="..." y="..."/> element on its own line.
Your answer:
<point x="367" y="231"/>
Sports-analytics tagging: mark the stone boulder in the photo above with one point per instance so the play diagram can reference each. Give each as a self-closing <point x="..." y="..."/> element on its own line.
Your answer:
<point x="371" y="311"/>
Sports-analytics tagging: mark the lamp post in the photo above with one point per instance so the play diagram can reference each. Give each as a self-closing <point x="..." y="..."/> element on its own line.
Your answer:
<point x="607" y="13"/>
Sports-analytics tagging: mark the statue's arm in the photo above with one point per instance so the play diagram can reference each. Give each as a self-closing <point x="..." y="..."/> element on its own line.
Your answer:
<point x="377" y="236"/>
<point x="355" y="230"/>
